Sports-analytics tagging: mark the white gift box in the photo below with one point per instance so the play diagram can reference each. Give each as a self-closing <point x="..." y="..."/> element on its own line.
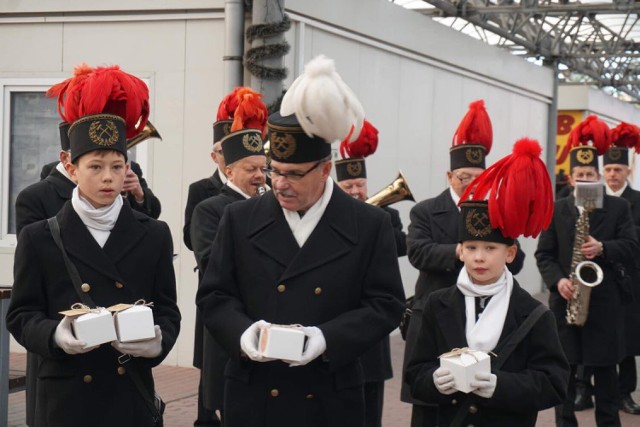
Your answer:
<point x="94" y="328"/>
<point x="465" y="366"/>
<point x="281" y="342"/>
<point x="134" y="324"/>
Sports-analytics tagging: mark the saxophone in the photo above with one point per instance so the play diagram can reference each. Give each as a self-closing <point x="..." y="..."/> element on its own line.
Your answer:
<point x="584" y="274"/>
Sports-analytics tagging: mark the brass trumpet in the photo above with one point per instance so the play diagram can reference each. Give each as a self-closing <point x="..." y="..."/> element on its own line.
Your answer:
<point x="149" y="131"/>
<point x="395" y="192"/>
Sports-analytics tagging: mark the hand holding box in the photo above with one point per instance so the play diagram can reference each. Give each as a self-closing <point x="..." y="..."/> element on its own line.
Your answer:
<point x="281" y="342"/>
<point x="93" y="326"/>
<point x="464" y="364"/>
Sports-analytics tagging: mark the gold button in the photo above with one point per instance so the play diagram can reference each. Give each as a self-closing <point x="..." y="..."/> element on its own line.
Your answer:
<point x="85" y="287"/>
<point x="318" y="291"/>
<point x="275" y="392"/>
<point x="309" y="396"/>
<point x="87" y="379"/>
<point x="119" y="285"/>
<point x="121" y="370"/>
<point x="281" y="288"/>
<point x="473" y="409"/>
<point x="454" y="402"/>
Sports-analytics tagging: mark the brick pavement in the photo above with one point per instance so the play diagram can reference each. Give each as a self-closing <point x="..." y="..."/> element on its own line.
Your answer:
<point x="178" y="387"/>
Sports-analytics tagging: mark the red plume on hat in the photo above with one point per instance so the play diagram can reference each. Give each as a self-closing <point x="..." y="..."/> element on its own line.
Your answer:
<point x="80" y="72"/>
<point x="475" y="127"/>
<point x="593" y="130"/>
<point x="109" y="90"/>
<point x="250" y="112"/>
<point x="228" y="105"/>
<point x="365" y="145"/>
<point x="520" y="195"/>
<point x="626" y="135"/>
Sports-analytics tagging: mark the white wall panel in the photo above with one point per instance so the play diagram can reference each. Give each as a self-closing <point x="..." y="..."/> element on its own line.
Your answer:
<point x="30" y="47"/>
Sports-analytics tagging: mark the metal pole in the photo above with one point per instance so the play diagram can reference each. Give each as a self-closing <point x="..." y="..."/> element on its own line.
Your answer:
<point x="268" y="12"/>
<point x="233" y="44"/>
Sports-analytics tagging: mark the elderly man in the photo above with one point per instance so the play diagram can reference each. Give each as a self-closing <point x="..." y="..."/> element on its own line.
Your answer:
<point x="308" y="256"/>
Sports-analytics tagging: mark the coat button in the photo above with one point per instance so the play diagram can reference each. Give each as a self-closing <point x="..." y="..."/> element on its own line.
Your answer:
<point x="275" y="392"/>
<point x="473" y="409"/>
<point x="119" y="285"/>
<point x="87" y="379"/>
<point x="454" y="402"/>
<point x="281" y="288"/>
<point x="121" y="370"/>
<point x="317" y="291"/>
<point x="85" y="287"/>
<point x="309" y="396"/>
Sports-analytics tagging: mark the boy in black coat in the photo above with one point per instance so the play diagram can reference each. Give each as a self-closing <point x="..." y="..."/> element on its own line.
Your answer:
<point x="486" y="308"/>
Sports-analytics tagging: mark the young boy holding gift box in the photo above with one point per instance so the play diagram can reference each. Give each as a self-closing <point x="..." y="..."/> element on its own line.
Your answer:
<point x="120" y="256"/>
<point x="487" y="310"/>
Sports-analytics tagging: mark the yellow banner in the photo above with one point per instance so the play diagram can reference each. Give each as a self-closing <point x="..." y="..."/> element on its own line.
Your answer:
<point x="567" y="120"/>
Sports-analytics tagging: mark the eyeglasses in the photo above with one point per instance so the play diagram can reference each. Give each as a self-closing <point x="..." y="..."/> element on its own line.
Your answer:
<point x="465" y="179"/>
<point x="290" y="176"/>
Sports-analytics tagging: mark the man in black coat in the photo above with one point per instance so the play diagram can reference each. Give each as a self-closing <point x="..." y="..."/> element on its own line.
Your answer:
<point x="351" y="174"/>
<point x="616" y="174"/>
<point x="303" y="254"/>
<point x="245" y="172"/>
<point x="202" y="190"/>
<point x="599" y="343"/>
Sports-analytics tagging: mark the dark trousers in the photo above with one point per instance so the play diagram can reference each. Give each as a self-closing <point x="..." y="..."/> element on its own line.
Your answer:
<point x="424" y="416"/>
<point x="373" y="402"/>
<point x="206" y="417"/>
<point x="605" y="391"/>
<point x="627" y="376"/>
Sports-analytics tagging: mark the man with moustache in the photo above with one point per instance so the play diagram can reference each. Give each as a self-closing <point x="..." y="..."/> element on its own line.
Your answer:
<point x="307" y="256"/>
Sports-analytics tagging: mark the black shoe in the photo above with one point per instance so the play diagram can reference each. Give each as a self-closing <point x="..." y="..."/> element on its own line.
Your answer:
<point x="629" y="406"/>
<point x="583" y="401"/>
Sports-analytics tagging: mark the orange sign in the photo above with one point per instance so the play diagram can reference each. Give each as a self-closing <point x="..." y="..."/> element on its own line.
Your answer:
<point x="567" y="120"/>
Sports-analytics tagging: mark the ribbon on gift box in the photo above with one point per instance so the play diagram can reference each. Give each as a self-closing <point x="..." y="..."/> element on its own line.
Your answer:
<point x="119" y="307"/>
<point x="460" y="351"/>
<point x="78" y="309"/>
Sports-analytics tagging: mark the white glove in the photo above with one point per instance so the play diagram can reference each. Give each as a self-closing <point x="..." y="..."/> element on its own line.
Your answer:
<point x="148" y="348"/>
<point x="443" y="381"/>
<point x="315" y="346"/>
<point x="64" y="338"/>
<point x="249" y="342"/>
<point x="485" y="384"/>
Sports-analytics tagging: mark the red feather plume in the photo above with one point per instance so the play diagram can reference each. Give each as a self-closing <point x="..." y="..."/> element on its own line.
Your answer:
<point x="228" y="105"/>
<point x="365" y="145"/>
<point x="626" y="135"/>
<point x="250" y="113"/>
<point x="520" y="195"/>
<point x="593" y="130"/>
<point x="475" y="127"/>
<point x="80" y="72"/>
<point x="112" y="91"/>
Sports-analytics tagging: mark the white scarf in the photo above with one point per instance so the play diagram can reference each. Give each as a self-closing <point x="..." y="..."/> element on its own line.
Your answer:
<point x="303" y="227"/>
<point x="99" y="221"/>
<point x="237" y="189"/>
<point x="484" y="334"/>
<point x="60" y="168"/>
<point x="618" y="193"/>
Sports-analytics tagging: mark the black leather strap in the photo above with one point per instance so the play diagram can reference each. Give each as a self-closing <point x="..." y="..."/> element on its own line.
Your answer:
<point x="71" y="268"/>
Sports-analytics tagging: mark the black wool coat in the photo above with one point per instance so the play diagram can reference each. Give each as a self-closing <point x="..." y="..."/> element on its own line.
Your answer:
<point x="136" y="262"/>
<point x="345" y="280"/>
<point x="213" y="358"/>
<point x="632" y="306"/>
<point x="199" y="191"/>
<point x="534" y="377"/>
<point x="431" y="248"/>
<point x="600" y="342"/>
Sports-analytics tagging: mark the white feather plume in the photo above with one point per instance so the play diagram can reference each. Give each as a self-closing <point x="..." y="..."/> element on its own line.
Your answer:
<point x="323" y="103"/>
